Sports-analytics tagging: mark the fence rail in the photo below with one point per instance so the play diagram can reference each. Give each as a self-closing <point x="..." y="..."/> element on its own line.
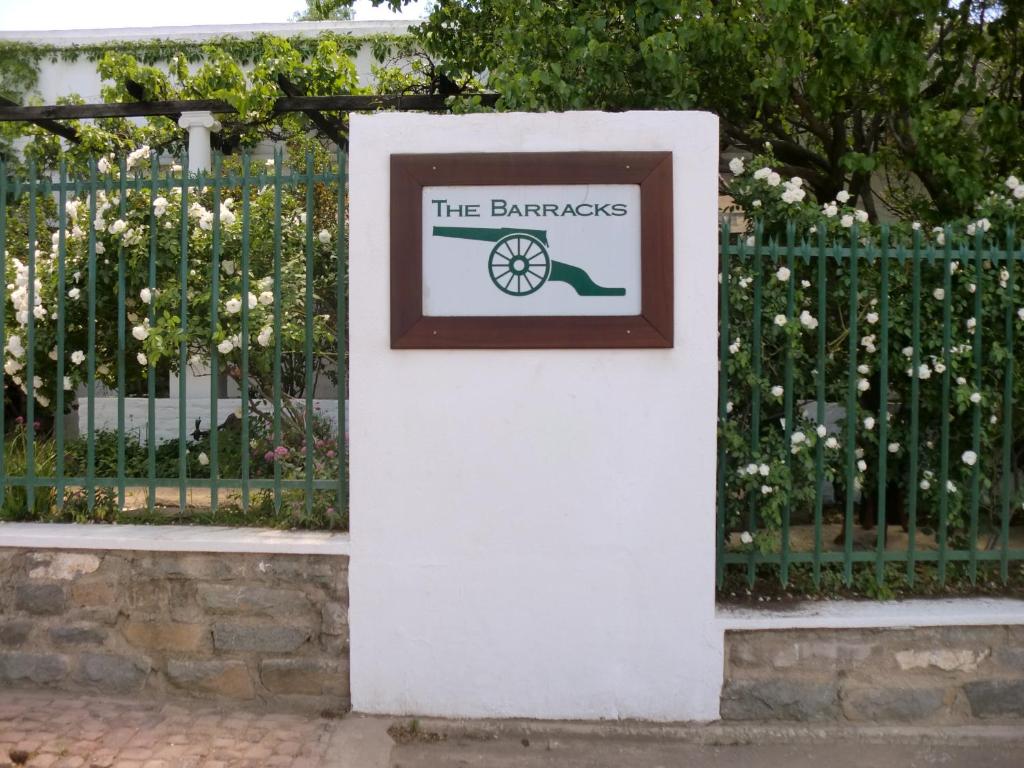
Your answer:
<point x="869" y="409"/>
<point x="131" y="273"/>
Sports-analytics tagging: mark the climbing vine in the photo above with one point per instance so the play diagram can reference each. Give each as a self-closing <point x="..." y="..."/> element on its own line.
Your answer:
<point x="246" y="73"/>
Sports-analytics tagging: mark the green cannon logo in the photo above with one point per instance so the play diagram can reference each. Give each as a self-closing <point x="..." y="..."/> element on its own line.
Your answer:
<point x="519" y="263"/>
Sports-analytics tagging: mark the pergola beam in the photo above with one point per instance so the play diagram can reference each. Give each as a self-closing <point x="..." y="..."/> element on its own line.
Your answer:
<point x="171" y="108"/>
<point x="64" y="131"/>
<point x="331" y="128"/>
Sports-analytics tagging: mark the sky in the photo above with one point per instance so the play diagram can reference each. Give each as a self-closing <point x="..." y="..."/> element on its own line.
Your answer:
<point x="102" y="14"/>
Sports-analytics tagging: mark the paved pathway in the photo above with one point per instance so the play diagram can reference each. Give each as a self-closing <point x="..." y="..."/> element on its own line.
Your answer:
<point x="603" y="753"/>
<point x="62" y="731"/>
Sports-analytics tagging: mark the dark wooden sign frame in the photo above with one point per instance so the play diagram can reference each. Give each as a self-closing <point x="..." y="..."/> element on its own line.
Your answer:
<point x="411" y="329"/>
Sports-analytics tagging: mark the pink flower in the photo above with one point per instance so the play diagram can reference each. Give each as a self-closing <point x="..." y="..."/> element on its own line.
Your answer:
<point x="281" y="451"/>
<point x="269" y="456"/>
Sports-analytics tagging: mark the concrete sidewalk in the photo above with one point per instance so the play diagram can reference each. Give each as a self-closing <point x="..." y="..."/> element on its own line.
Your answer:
<point x="59" y="730"/>
<point x="526" y="744"/>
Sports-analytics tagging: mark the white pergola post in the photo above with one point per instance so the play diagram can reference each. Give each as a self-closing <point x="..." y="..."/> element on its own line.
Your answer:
<point x="199" y="126"/>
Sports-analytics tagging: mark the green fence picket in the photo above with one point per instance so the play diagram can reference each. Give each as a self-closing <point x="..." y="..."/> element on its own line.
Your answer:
<point x="342" y="255"/>
<point x="183" y="344"/>
<point x="309" y="380"/>
<point x="723" y="395"/>
<point x="244" y="375"/>
<point x="947" y="342"/>
<point x="1007" y="430"/>
<point x="976" y="409"/>
<point x="851" y="412"/>
<point x="883" y="407"/>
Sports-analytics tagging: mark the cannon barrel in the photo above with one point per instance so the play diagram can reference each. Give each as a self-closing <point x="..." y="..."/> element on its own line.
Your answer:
<point x="488" y="234"/>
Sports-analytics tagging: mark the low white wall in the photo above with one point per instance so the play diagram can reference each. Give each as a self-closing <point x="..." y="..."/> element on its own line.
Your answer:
<point x="136" y="415"/>
<point x="533" y="531"/>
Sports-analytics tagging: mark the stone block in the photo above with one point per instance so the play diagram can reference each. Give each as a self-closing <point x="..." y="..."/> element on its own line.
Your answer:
<point x="62" y="566"/>
<point x="77" y="635"/>
<point x="37" y="667"/>
<point x="120" y="674"/>
<point x="885" y="705"/>
<point x="786" y="649"/>
<point x="326" y="570"/>
<point x="945" y="659"/>
<point x="223" y="678"/>
<point x="779" y="699"/>
<point x="258" y="637"/>
<point x="40" y="599"/>
<point x="252" y="600"/>
<point x="996" y="698"/>
<point x="165" y="635"/>
<point x="196" y="566"/>
<point x="335" y="646"/>
<point x="149" y="596"/>
<point x="299" y="676"/>
<point x="334" y="620"/>
<point x="14" y="633"/>
<point x="1011" y="659"/>
<point x="92" y="593"/>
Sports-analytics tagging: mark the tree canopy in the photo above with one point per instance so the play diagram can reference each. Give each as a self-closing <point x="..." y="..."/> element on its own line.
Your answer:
<point x="921" y="101"/>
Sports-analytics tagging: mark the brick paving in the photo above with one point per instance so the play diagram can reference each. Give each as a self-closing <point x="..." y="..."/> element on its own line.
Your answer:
<point x="41" y="730"/>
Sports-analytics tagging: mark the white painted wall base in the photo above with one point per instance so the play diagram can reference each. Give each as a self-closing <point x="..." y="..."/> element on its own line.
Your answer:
<point x="136" y="415"/>
<point x="172" y="538"/>
<point x="533" y="531"/>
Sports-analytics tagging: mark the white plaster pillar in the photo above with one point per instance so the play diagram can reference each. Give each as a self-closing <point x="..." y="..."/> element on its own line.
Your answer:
<point x="199" y="126"/>
<point x="533" y="531"/>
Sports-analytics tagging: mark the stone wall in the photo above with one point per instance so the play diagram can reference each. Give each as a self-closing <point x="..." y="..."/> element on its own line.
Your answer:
<point x="259" y="628"/>
<point x="926" y="675"/>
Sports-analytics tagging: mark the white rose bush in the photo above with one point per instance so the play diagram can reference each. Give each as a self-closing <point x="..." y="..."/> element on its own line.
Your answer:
<point x="946" y="373"/>
<point x="127" y="223"/>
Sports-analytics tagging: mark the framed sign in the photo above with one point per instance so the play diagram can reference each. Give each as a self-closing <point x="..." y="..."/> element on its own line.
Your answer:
<point x="531" y="250"/>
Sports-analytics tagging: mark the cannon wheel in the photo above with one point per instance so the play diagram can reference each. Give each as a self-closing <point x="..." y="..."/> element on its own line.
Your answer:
<point x="519" y="264"/>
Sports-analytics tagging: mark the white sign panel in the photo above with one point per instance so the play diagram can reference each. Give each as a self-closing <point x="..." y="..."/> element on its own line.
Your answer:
<point x="531" y="250"/>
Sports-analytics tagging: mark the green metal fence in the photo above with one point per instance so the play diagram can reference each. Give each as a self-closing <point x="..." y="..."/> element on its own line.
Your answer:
<point x="870" y="409"/>
<point x="129" y="273"/>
